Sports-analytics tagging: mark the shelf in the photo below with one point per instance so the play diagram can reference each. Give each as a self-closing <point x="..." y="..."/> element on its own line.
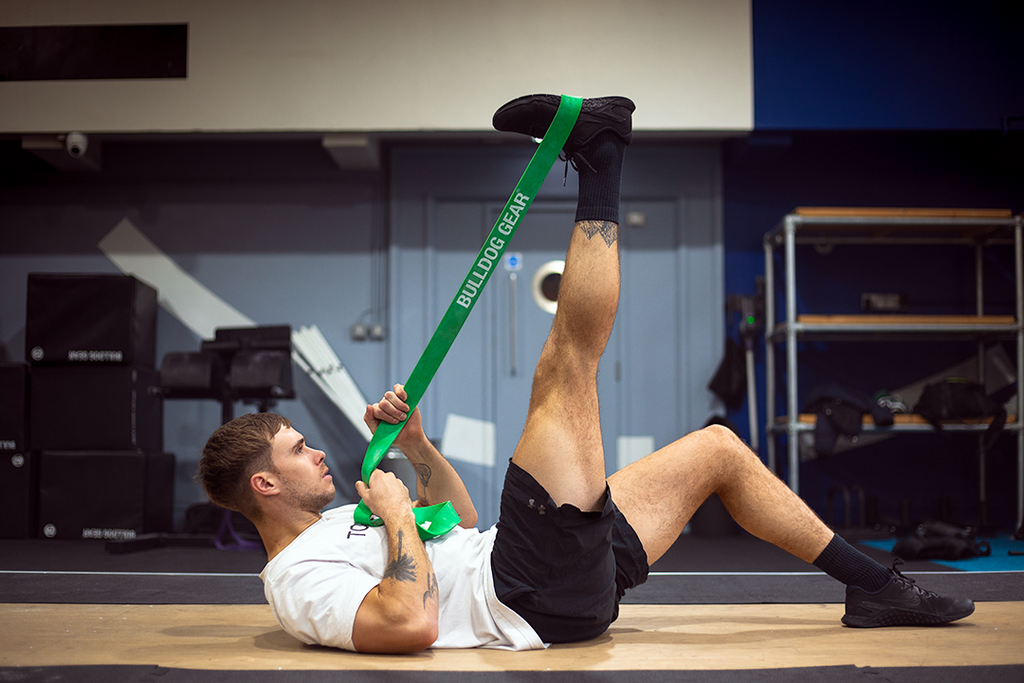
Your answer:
<point x="826" y="227"/>
<point x="875" y="224"/>
<point x="897" y="212"/>
<point x="906" y="320"/>
<point x="911" y="325"/>
<point x="902" y="422"/>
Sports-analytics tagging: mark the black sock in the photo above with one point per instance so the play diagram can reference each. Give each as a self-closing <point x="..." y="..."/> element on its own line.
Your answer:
<point x="600" y="174"/>
<point x="843" y="562"/>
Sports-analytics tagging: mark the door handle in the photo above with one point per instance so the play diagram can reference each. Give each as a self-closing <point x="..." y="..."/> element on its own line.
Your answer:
<point x="512" y="324"/>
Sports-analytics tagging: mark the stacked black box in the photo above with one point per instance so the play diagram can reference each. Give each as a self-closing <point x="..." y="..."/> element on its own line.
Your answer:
<point x="95" y="414"/>
<point x="110" y="495"/>
<point x="90" y="319"/>
<point x="96" y="408"/>
<point x="17" y="462"/>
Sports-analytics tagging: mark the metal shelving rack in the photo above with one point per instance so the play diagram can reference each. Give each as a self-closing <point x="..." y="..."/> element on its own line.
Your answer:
<point x="833" y="226"/>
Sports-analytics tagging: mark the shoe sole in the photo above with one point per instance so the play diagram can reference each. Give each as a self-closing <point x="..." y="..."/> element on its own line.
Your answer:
<point x="898" y="617"/>
<point x="588" y="125"/>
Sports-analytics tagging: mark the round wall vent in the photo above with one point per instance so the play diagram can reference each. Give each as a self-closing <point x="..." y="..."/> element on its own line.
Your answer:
<point x="546" y="282"/>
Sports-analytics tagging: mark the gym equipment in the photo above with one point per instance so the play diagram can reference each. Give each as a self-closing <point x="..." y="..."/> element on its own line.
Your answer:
<point x="81" y="408"/>
<point x="111" y="495"/>
<point x="90" y="319"/>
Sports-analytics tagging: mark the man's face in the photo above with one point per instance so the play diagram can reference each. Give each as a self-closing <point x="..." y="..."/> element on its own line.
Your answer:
<point x="301" y="471"/>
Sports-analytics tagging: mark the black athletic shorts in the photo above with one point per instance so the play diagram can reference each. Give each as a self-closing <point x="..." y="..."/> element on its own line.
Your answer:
<point x="561" y="569"/>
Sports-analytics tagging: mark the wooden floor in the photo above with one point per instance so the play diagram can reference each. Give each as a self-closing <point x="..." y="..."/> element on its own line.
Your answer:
<point x="646" y="637"/>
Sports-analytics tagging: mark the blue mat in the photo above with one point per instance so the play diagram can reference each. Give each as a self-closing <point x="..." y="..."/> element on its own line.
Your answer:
<point x="998" y="561"/>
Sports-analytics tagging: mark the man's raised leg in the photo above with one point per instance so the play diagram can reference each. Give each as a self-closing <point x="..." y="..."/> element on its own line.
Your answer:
<point x="561" y="444"/>
<point x="552" y="560"/>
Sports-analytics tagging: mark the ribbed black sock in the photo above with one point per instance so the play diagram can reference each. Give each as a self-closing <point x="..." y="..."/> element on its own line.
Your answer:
<point x="843" y="562"/>
<point x="600" y="175"/>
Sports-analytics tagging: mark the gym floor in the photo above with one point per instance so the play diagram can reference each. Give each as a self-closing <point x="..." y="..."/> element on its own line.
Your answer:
<point x="713" y="608"/>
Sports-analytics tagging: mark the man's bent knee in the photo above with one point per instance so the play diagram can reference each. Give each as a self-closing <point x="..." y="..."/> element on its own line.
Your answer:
<point x="724" y="449"/>
<point x="720" y="438"/>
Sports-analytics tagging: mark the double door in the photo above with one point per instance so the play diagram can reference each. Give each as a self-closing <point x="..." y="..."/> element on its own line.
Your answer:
<point x="652" y="379"/>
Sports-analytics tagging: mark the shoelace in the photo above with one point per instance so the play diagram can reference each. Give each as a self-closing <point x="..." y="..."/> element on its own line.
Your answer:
<point x="910" y="583"/>
<point x="573" y="159"/>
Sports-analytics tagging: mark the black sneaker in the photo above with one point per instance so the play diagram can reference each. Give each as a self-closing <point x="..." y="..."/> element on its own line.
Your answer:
<point x="901" y="603"/>
<point x="532" y="114"/>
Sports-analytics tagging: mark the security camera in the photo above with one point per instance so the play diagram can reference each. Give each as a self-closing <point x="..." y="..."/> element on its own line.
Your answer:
<point x="76" y="144"/>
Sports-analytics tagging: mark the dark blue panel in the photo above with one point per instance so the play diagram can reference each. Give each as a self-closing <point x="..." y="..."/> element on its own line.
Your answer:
<point x="872" y="64"/>
<point x="768" y="174"/>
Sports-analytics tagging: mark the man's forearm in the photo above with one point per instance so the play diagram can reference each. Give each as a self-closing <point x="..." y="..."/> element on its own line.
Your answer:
<point x="400" y="614"/>
<point x="437" y="481"/>
<point x="409" y="577"/>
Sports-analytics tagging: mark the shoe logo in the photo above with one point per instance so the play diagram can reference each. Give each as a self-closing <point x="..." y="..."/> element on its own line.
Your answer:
<point x="910" y="600"/>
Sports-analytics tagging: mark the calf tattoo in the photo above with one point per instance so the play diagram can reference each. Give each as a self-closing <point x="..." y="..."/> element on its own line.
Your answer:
<point x="609" y="231"/>
<point x="403" y="567"/>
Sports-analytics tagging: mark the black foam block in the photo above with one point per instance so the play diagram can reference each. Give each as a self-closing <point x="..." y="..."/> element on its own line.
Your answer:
<point x="96" y="408"/>
<point x="90" y="319"/>
<point x="18" y="485"/>
<point x="17" y="463"/>
<point x="13" y="407"/>
<point x="104" y="494"/>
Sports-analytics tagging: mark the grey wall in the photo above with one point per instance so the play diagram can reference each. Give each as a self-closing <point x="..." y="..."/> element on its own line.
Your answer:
<point x="273" y="230"/>
<point x="276" y="231"/>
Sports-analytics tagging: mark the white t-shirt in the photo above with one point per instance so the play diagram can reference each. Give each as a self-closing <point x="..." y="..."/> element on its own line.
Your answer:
<point x="316" y="584"/>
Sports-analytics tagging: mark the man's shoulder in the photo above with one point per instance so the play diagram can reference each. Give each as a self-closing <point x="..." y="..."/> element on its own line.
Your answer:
<point x="340" y="512"/>
<point x="329" y="538"/>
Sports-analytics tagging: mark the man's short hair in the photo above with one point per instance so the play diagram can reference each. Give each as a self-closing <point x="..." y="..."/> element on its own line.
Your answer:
<point x="235" y="452"/>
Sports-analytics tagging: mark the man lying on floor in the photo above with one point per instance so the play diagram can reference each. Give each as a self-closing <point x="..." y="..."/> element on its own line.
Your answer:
<point x="569" y="542"/>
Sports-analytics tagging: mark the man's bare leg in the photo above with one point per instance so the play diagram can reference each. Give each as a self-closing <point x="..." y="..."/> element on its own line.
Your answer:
<point x="658" y="495"/>
<point x="561" y="444"/>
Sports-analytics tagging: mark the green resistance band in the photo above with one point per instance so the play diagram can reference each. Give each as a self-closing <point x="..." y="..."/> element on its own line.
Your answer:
<point x="437" y="520"/>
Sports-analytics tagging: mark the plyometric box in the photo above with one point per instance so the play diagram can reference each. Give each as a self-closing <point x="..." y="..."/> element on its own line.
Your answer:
<point x="96" y="408"/>
<point x="105" y="495"/>
<point x="89" y="319"/>
<point x="13" y="403"/>
<point x="18" y="485"/>
<point x="17" y="463"/>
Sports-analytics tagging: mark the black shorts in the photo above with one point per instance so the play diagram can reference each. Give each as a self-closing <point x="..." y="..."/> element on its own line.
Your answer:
<point x="561" y="569"/>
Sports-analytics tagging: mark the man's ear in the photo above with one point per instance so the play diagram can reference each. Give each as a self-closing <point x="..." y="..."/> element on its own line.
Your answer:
<point x="264" y="484"/>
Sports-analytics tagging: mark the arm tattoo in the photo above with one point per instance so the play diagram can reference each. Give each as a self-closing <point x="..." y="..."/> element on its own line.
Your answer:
<point x="432" y="592"/>
<point x="423" y="472"/>
<point x="609" y="231"/>
<point x="403" y="567"/>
